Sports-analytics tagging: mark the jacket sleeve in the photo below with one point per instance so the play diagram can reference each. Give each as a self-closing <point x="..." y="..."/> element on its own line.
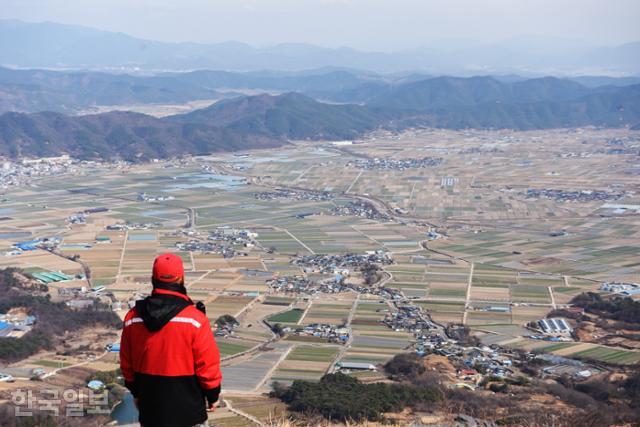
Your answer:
<point x="126" y="367"/>
<point x="207" y="361"/>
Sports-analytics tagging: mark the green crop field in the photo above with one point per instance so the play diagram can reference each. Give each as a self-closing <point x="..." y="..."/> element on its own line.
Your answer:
<point x="313" y="354"/>
<point x="231" y="348"/>
<point x="609" y="355"/>
<point x="291" y="316"/>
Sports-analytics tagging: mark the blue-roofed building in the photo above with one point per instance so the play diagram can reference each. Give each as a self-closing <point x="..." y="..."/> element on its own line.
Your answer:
<point x="30" y="245"/>
<point x="95" y="385"/>
<point x="113" y="348"/>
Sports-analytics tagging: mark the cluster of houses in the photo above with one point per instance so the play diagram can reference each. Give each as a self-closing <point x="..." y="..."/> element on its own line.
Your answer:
<point x="81" y="217"/>
<point x="77" y="218"/>
<point x="47" y="243"/>
<point x="433" y="235"/>
<point x="124" y="226"/>
<point x="341" y="264"/>
<point x="245" y="238"/>
<point x="334" y="285"/>
<point x="144" y="197"/>
<point x="223" y="241"/>
<point x="332" y="333"/>
<point x="572" y="196"/>
<point x="226" y="329"/>
<point x="486" y="361"/>
<point x="206" y="248"/>
<point x="430" y="341"/>
<point x="282" y="193"/>
<point x="80" y="298"/>
<point x="21" y="172"/>
<point x="15" y="323"/>
<point x="622" y="288"/>
<point x="360" y="209"/>
<point x="409" y="318"/>
<point x="474" y="363"/>
<point x="81" y="290"/>
<point x="563" y="367"/>
<point x="293" y="284"/>
<point x="398" y="165"/>
<point x="617" y="146"/>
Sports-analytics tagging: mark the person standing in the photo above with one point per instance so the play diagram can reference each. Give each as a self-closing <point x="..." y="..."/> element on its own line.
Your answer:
<point x="168" y="355"/>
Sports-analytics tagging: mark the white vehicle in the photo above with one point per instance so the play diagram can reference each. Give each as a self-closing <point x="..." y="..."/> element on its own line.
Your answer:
<point x="6" y="378"/>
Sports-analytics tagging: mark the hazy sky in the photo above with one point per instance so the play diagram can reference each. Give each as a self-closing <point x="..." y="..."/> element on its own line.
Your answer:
<point x="364" y="24"/>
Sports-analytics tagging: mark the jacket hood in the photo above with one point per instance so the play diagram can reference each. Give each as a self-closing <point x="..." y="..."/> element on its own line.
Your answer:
<point x="157" y="310"/>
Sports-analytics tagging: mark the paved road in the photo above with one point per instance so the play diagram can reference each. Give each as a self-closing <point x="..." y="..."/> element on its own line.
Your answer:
<point x="346" y="345"/>
<point x="86" y="362"/>
<point x="468" y="297"/>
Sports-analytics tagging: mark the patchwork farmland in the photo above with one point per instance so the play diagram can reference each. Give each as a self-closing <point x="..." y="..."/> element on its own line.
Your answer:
<point x="468" y="244"/>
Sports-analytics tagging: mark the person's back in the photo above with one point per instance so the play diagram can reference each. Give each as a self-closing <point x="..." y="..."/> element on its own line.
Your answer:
<point x="168" y="356"/>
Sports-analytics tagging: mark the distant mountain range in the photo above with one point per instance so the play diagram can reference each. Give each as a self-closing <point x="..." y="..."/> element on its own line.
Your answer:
<point x="51" y="45"/>
<point x="76" y="91"/>
<point x="72" y="92"/>
<point x="483" y="102"/>
<point x="264" y="121"/>
<point x="261" y="121"/>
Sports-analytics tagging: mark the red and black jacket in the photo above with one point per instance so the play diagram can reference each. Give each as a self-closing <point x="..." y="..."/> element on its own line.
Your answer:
<point x="170" y="360"/>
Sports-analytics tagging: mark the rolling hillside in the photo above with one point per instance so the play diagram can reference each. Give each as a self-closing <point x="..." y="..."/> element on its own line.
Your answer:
<point x="128" y="136"/>
<point x="263" y="121"/>
<point x="251" y="122"/>
<point x="290" y="116"/>
<point x="484" y="102"/>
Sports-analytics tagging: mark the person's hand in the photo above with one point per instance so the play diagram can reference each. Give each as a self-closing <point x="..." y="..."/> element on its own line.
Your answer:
<point x="212" y="407"/>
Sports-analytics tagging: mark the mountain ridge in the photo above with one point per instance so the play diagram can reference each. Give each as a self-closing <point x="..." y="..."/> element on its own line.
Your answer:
<point x="76" y="92"/>
<point x="29" y="44"/>
<point x="266" y="121"/>
<point x="290" y="115"/>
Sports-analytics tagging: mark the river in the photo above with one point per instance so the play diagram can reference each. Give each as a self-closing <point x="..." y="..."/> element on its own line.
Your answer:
<point x="125" y="412"/>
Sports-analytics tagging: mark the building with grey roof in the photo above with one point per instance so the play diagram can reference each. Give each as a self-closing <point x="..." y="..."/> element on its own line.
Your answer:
<point x="555" y="327"/>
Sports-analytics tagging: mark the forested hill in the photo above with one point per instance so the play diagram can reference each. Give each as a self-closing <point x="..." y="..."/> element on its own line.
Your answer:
<point x="264" y="121"/>
<point x="290" y="116"/>
<point x="484" y="102"/>
<point x="114" y="135"/>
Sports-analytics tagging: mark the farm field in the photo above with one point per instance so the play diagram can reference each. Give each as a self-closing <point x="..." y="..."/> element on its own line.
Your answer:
<point x="583" y="351"/>
<point x="331" y="312"/>
<point x="288" y="317"/>
<point x="305" y="362"/>
<point x="468" y="244"/>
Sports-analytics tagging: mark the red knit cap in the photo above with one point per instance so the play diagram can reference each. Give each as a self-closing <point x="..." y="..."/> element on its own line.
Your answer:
<point x="168" y="268"/>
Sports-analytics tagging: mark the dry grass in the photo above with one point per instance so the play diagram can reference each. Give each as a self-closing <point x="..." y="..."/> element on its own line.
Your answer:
<point x="316" y="423"/>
